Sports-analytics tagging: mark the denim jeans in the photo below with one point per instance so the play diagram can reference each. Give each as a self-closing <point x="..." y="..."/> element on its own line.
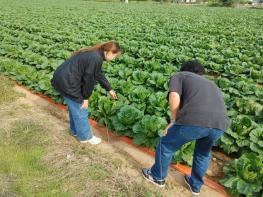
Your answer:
<point x="78" y="117"/>
<point x="178" y="135"/>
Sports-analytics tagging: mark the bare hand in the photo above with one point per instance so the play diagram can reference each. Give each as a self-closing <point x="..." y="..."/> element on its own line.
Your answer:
<point x="113" y="95"/>
<point x="166" y="129"/>
<point x="85" y="104"/>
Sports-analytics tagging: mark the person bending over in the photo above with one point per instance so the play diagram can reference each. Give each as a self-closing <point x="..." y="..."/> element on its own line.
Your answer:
<point x="75" y="80"/>
<point x="198" y="113"/>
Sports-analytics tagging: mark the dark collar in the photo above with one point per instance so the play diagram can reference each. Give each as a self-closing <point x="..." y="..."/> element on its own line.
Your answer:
<point x="102" y="54"/>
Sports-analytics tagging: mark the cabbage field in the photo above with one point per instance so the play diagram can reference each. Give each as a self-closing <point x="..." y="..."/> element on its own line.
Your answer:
<point x="37" y="36"/>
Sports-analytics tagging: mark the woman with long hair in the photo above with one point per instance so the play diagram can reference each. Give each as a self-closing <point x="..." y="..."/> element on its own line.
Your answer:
<point x="75" y="80"/>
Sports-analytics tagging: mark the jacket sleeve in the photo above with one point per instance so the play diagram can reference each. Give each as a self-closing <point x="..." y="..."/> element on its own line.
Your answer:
<point x="101" y="78"/>
<point x="87" y="86"/>
<point x="92" y="73"/>
<point x="88" y="78"/>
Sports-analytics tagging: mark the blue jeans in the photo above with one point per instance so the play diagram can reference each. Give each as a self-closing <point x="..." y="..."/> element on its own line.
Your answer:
<point x="177" y="136"/>
<point x="78" y="117"/>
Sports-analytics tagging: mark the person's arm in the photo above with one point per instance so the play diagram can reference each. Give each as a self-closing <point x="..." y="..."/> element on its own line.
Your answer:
<point x="85" y="104"/>
<point x="101" y="78"/>
<point x="174" y="103"/>
<point x="175" y="91"/>
<point x="89" y="66"/>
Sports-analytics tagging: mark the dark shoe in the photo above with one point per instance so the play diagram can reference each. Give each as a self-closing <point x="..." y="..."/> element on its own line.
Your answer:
<point x="146" y="173"/>
<point x="186" y="179"/>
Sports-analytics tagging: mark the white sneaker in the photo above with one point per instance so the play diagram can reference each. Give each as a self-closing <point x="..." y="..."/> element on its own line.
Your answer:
<point x="94" y="140"/>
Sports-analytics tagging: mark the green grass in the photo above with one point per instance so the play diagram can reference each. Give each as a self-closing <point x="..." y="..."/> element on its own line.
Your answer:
<point x="29" y="134"/>
<point x="21" y="150"/>
<point x="97" y="173"/>
<point x="8" y="94"/>
<point x="26" y="168"/>
<point x="22" y="145"/>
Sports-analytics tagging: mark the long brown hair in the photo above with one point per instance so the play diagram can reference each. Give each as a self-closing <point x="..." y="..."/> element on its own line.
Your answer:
<point x="111" y="46"/>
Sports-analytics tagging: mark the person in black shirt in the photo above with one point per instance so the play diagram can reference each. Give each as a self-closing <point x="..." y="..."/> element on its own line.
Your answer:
<point x="75" y="80"/>
<point x="198" y="113"/>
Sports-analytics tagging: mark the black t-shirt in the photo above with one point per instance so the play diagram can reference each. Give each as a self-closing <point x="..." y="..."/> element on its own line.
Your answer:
<point x="201" y="102"/>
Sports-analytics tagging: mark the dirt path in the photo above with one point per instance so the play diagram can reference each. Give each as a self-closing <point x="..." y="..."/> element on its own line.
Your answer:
<point x="74" y="169"/>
